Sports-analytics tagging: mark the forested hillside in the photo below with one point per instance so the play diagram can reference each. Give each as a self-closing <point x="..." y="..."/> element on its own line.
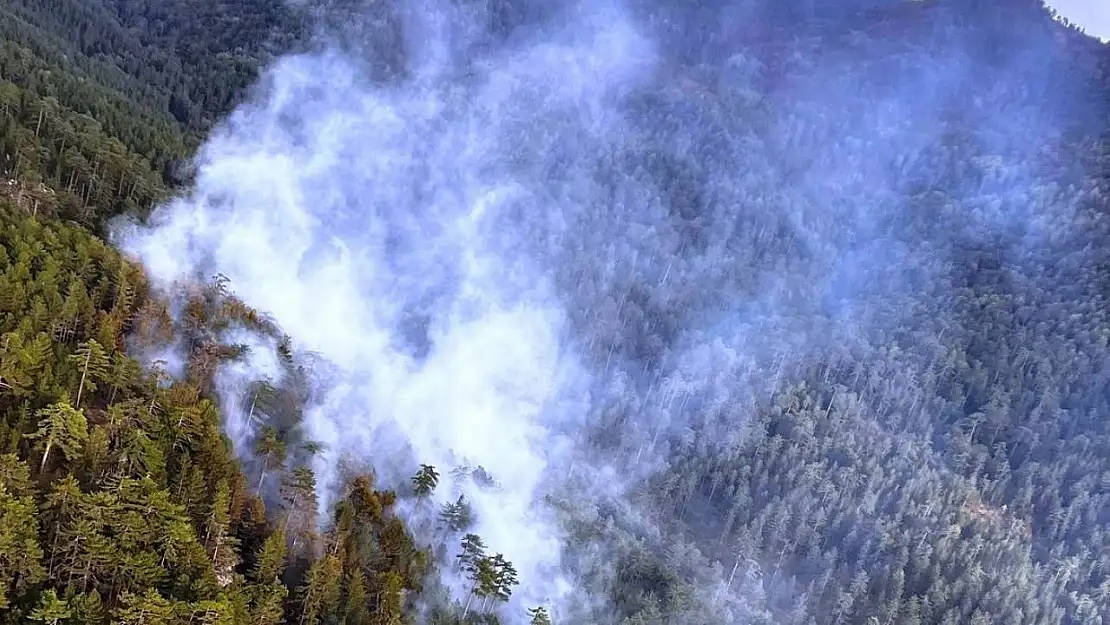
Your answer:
<point x="104" y="101"/>
<point x="952" y="467"/>
<point x="120" y="499"/>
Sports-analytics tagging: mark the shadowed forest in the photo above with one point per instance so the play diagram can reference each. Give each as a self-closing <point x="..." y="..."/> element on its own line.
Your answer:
<point x="917" y="259"/>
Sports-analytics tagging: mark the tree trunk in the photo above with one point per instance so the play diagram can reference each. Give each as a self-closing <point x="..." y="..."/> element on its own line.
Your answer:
<point x="84" y="372"/>
<point x="45" y="455"/>
<point x="469" y="597"/>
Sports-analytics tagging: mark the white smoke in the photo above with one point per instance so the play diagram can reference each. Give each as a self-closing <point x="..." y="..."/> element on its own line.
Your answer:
<point x="350" y="212"/>
<point x="508" y="252"/>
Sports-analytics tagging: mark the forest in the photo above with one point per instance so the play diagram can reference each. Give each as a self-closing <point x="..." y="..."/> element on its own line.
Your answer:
<point x="951" y="466"/>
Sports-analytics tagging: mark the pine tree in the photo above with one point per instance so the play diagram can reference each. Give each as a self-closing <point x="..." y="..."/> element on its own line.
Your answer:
<point x="95" y="367"/>
<point x="221" y="546"/>
<point x="271" y="558"/>
<point x="472" y="550"/>
<point x="389" y="604"/>
<point x="298" y="491"/>
<point x="321" y="590"/>
<point x="267" y="606"/>
<point x="62" y="426"/>
<point x="485" y="577"/>
<point x="209" y="612"/>
<point x="15" y="476"/>
<point x="87" y="607"/>
<point x="505" y="576"/>
<point x="425" y="480"/>
<point x="20" y="555"/>
<point x="458" y="516"/>
<point x="472" y="561"/>
<point x="51" y="608"/>
<point x="16" y="377"/>
<point x="272" y="451"/>
<point x="356" y="609"/>
<point x="150" y="608"/>
<point x="538" y="616"/>
<point x="60" y="509"/>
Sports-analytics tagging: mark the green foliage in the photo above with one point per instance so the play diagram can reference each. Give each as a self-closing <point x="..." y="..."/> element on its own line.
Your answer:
<point x="21" y="568"/>
<point x="51" y="609"/>
<point x="458" y="516"/>
<point x="425" y="480"/>
<point x="99" y="102"/>
<point x="61" y="426"/>
<point x="140" y="523"/>
<point x="538" y="616"/>
<point x="61" y="162"/>
<point x="178" y="60"/>
<point x="136" y="511"/>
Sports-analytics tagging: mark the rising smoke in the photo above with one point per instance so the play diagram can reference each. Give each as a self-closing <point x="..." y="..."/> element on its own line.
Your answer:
<point x="556" y="241"/>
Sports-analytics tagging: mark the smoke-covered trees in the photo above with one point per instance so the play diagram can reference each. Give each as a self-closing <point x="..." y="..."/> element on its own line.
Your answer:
<point x="425" y="480"/>
<point x="490" y="578"/>
<point x="945" y="463"/>
<point x="539" y="616"/>
<point x="457" y="516"/>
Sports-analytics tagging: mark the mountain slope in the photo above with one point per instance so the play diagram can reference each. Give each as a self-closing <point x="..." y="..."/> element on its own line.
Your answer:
<point x="932" y="176"/>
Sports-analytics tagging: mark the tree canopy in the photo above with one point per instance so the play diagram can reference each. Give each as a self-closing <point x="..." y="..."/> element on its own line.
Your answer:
<point x="964" y="483"/>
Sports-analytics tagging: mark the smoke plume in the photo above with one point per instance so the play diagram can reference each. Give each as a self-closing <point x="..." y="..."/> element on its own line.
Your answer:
<point x="560" y="241"/>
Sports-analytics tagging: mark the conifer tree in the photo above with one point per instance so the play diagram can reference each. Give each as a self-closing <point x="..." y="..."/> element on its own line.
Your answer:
<point x="458" y="516"/>
<point x="51" y="609"/>
<point x="425" y="480"/>
<point x="15" y="370"/>
<point x="389" y="602"/>
<point x="63" y="427"/>
<point x="298" y="491"/>
<point x="321" y="591"/>
<point x="267" y="604"/>
<point x="472" y="549"/>
<point x="267" y="593"/>
<point x="95" y="367"/>
<point x="505" y="577"/>
<point x="87" y="607"/>
<point x="472" y="561"/>
<point x="271" y="559"/>
<point x="356" y="603"/>
<point x="149" y="608"/>
<point x="538" y="616"/>
<point x="271" y="450"/>
<point x="20" y="555"/>
<point x="221" y="546"/>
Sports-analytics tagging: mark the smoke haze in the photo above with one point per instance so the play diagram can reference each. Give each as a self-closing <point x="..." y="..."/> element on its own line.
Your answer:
<point x="561" y="243"/>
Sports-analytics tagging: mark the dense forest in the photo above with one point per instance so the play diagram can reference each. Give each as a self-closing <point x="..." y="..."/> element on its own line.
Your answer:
<point x="121" y="499"/>
<point x="953" y="466"/>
